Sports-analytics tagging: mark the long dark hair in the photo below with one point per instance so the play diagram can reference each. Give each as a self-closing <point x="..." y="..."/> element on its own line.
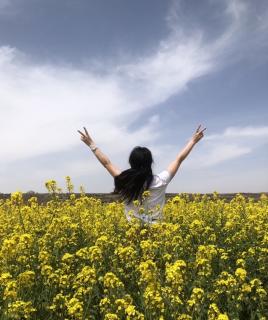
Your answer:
<point x="131" y="183"/>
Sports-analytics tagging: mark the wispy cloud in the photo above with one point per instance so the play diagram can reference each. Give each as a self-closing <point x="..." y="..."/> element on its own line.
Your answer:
<point x="232" y="143"/>
<point x="45" y="103"/>
<point x="220" y="153"/>
<point x="237" y="132"/>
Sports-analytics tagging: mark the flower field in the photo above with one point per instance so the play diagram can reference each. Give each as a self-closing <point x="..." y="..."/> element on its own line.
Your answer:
<point x="81" y="259"/>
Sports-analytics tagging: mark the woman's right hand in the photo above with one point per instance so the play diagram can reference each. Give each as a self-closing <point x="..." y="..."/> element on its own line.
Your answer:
<point x="85" y="137"/>
<point x="198" y="134"/>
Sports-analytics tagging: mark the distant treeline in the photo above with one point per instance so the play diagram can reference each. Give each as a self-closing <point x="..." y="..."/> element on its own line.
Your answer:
<point x="110" y="197"/>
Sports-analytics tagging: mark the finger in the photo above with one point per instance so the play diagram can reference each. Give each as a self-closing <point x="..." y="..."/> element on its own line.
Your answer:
<point x="81" y="133"/>
<point x="203" y="129"/>
<point x="198" y="128"/>
<point x="86" y="131"/>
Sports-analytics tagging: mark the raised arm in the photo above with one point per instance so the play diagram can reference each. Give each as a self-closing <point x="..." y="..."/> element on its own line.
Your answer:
<point x="104" y="160"/>
<point x="174" y="165"/>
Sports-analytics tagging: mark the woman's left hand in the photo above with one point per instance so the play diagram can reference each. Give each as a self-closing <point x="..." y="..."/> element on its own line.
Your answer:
<point x="85" y="137"/>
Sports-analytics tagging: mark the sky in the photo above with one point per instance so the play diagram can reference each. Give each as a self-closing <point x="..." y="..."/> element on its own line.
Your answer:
<point x="134" y="73"/>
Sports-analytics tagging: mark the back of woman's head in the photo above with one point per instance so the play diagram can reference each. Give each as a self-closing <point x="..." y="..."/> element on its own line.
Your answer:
<point x="131" y="183"/>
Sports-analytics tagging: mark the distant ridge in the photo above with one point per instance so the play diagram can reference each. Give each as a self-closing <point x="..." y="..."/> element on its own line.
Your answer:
<point x="110" y="197"/>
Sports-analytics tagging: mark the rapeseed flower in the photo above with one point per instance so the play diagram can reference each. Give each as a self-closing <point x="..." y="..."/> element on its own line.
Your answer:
<point x="79" y="258"/>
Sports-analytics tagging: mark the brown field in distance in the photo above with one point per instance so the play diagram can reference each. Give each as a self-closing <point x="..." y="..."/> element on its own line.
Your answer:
<point x="109" y="197"/>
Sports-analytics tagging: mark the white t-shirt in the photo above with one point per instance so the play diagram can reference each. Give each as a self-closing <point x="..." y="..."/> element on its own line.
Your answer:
<point x="157" y="198"/>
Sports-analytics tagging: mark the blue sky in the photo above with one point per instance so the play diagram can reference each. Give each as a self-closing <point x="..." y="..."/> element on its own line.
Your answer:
<point x="134" y="73"/>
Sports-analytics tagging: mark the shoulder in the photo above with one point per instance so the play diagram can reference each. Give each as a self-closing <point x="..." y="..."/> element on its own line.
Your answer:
<point x="161" y="179"/>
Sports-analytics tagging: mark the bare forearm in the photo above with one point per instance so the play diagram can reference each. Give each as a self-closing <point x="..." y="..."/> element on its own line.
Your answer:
<point x="174" y="165"/>
<point x="185" y="151"/>
<point x="104" y="160"/>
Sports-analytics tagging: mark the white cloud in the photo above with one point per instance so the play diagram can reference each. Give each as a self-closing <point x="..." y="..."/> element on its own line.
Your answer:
<point x="168" y="71"/>
<point x="234" y="142"/>
<point x="237" y="132"/>
<point x="223" y="152"/>
<point x="42" y="106"/>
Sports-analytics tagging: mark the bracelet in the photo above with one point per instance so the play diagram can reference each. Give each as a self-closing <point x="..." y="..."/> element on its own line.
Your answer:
<point x="93" y="147"/>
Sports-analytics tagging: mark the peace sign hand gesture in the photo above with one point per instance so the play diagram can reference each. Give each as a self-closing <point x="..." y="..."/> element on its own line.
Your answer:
<point x="198" y="134"/>
<point x="85" y="137"/>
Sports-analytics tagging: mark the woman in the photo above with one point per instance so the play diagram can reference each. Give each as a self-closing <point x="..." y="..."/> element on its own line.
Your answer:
<point x="132" y="183"/>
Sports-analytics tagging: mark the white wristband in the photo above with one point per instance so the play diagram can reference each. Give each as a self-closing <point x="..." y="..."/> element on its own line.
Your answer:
<point x="93" y="147"/>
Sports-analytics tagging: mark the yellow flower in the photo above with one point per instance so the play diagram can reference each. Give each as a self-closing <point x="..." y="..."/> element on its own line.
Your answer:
<point x="95" y="254"/>
<point x="26" y="279"/>
<point x="11" y="290"/>
<point x="16" y="198"/>
<point x="261" y="292"/>
<point x="83" y="250"/>
<point x="184" y="316"/>
<point x="67" y="258"/>
<point x="51" y="186"/>
<point x="246" y="288"/>
<point x="130" y="310"/>
<point x="146" y="194"/>
<point x="175" y="273"/>
<point x="241" y="274"/>
<point x="153" y="300"/>
<point x="75" y="308"/>
<point x="223" y="317"/>
<point x="59" y="302"/>
<point x="136" y="203"/>
<point x="213" y="311"/>
<point x="4" y="278"/>
<point x="111" y="316"/>
<point x="21" y="309"/>
<point x="241" y="263"/>
<point x="133" y="314"/>
<point x="141" y="210"/>
<point x="70" y="186"/>
<point x="195" y="299"/>
<point x="121" y="304"/>
<point x="176" y="199"/>
<point x="46" y="270"/>
<point x="105" y="304"/>
<point x="85" y="279"/>
<point x="110" y="280"/>
<point x="148" y="271"/>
